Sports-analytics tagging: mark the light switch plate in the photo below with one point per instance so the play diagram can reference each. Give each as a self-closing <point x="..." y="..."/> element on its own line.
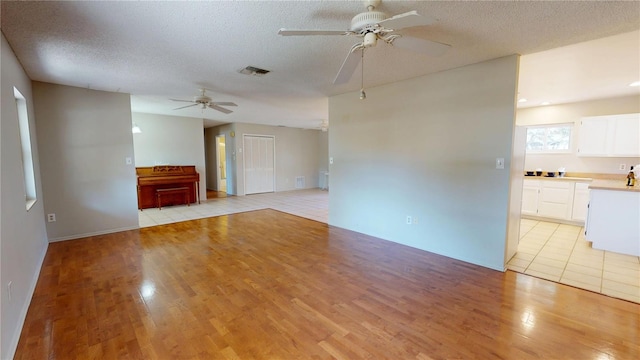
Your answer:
<point x="499" y="163"/>
<point x="331" y="160"/>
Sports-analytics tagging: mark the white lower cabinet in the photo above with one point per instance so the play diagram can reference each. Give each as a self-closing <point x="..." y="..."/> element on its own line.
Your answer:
<point x="614" y="220"/>
<point x="580" y="202"/>
<point x="555" y="199"/>
<point x="530" y="191"/>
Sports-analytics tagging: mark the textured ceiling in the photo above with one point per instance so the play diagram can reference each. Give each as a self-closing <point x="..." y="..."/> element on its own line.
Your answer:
<point x="159" y="50"/>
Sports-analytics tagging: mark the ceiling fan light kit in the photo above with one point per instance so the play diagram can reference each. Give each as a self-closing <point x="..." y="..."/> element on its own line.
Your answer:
<point x="373" y="25"/>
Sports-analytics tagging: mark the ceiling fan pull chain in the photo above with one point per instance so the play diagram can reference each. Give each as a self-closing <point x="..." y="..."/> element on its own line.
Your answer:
<point x="363" y="95"/>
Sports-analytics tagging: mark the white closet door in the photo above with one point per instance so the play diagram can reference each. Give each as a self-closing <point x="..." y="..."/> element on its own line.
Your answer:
<point x="259" y="164"/>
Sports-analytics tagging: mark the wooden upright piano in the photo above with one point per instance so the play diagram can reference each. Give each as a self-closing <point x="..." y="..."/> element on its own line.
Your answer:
<point x="153" y="178"/>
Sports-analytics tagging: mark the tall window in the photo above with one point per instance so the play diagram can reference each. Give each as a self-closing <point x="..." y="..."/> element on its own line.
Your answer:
<point x="554" y="138"/>
<point x="27" y="156"/>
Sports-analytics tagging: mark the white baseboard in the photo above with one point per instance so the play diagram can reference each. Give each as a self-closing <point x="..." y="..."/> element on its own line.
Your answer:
<point x="79" y="236"/>
<point x="25" y="308"/>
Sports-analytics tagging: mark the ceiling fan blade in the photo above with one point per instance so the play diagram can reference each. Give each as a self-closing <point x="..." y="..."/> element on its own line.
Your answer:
<point x="285" y="32"/>
<point x="349" y="65"/>
<point x="219" y="108"/>
<point x="405" y="20"/>
<point x="182" y="107"/>
<point x="224" y="103"/>
<point x="422" y="46"/>
<point x="181" y="100"/>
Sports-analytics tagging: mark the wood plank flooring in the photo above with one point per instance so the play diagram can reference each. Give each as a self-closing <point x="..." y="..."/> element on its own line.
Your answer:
<point x="268" y="285"/>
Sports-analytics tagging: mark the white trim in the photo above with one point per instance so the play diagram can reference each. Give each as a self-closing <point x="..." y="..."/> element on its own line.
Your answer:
<point x="79" y="236"/>
<point x="13" y="345"/>
<point x="218" y="171"/>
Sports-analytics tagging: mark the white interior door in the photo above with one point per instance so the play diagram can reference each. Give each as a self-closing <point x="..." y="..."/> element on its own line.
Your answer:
<point x="259" y="164"/>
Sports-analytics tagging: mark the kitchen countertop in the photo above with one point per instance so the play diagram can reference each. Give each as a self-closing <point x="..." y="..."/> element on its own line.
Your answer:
<point x="617" y="185"/>
<point x="565" y="178"/>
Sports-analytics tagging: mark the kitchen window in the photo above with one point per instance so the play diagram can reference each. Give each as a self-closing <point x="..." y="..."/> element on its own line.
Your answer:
<point x="549" y="139"/>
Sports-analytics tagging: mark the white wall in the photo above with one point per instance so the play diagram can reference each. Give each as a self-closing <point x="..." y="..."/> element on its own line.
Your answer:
<point x="297" y="153"/>
<point x="427" y="147"/>
<point x="85" y="179"/>
<point x="172" y="140"/>
<point x="23" y="239"/>
<point x="323" y="150"/>
<point x="571" y="113"/>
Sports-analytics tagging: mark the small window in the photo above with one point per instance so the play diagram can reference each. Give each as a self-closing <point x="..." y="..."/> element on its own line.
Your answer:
<point x="554" y="138"/>
<point x="27" y="157"/>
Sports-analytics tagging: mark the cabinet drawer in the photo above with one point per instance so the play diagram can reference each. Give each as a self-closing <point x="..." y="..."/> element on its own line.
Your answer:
<point x="556" y="196"/>
<point x="557" y="184"/>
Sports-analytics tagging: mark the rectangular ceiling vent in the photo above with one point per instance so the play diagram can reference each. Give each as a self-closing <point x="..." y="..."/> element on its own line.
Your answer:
<point x="252" y="70"/>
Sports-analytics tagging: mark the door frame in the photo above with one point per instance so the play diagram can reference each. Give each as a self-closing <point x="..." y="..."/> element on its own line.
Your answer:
<point x="244" y="167"/>
<point x="219" y="166"/>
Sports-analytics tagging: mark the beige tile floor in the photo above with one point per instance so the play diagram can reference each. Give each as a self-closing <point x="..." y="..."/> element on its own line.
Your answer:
<point x="555" y="252"/>
<point x="309" y="203"/>
<point x="560" y="253"/>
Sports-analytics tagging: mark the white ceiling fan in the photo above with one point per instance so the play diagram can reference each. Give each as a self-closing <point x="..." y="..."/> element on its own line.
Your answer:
<point x="204" y="102"/>
<point x="373" y="25"/>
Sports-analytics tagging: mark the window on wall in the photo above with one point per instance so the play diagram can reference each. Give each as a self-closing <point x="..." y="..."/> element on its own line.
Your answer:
<point x="554" y="138"/>
<point x="27" y="156"/>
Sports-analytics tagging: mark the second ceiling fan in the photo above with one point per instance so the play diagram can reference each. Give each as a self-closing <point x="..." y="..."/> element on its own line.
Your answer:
<point x="373" y="25"/>
<point x="205" y="101"/>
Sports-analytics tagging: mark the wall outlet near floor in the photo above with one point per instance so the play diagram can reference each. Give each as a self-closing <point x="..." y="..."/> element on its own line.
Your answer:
<point x="409" y="220"/>
<point x="51" y="217"/>
<point x="622" y="167"/>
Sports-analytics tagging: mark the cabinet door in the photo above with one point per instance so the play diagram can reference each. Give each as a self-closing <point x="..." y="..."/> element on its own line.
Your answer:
<point x="556" y="199"/>
<point x="626" y="136"/>
<point x="580" y="202"/>
<point x="530" y="191"/>
<point x="593" y="136"/>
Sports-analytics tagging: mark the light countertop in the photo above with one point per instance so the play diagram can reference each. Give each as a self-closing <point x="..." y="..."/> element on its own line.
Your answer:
<point x="564" y="178"/>
<point x="617" y="185"/>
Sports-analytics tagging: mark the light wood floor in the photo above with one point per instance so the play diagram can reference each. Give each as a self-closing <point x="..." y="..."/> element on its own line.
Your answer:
<point x="269" y="285"/>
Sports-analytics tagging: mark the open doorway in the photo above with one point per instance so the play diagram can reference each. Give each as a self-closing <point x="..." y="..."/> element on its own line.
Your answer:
<point x="221" y="164"/>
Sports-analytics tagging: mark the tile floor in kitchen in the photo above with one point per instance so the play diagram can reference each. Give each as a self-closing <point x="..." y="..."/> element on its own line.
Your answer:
<point x="560" y="253"/>
<point x="556" y="252"/>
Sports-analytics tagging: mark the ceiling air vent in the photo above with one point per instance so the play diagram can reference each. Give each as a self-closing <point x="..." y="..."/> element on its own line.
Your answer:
<point x="252" y="70"/>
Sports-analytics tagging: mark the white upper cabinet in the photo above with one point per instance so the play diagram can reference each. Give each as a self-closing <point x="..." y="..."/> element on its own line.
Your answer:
<point x="626" y="139"/>
<point x="612" y="136"/>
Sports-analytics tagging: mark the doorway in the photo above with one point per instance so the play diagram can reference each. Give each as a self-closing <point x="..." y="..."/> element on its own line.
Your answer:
<point x="221" y="164"/>
<point x="259" y="164"/>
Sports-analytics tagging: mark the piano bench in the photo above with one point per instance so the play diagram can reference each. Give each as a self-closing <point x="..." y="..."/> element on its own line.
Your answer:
<point x="171" y="191"/>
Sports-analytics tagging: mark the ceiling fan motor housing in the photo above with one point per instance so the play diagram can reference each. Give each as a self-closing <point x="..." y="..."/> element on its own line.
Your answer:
<point x="366" y="19"/>
<point x="202" y="99"/>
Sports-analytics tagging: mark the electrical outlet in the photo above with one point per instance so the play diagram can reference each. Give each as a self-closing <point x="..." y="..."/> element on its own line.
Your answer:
<point x="51" y="217"/>
<point x="9" y="290"/>
<point x="409" y="220"/>
<point x="414" y="220"/>
<point x="622" y="167"/>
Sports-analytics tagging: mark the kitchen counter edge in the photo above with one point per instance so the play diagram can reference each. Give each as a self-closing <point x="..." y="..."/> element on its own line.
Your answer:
<point x="616" y="185"/>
